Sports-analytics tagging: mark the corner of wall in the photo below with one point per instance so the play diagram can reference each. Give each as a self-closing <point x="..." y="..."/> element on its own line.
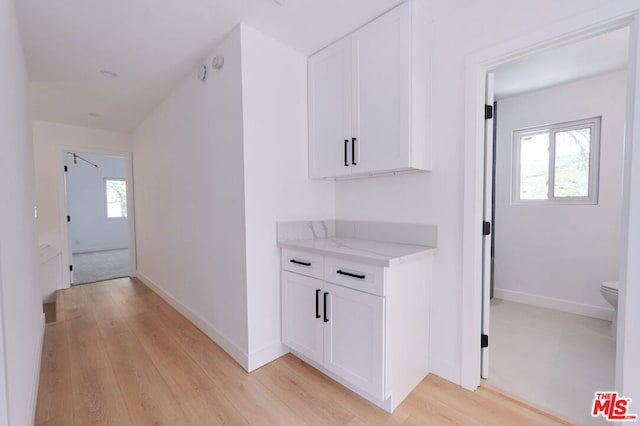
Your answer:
<point x="36" y="370"/>
<point x="205" y="326"/>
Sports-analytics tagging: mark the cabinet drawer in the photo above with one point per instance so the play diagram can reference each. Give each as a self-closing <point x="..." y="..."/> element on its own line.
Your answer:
<point x="301" y="262"/>
<point x="358" y="276"/>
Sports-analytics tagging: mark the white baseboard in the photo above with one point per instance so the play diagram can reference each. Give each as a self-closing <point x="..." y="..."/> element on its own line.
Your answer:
<point x="207" y="328"/>
<point x="553" y="303"/>
<point x="36" y="370"/>
<point x="265" y="356"/>
<point x="95" y="249"/>
<point x="446" y="369"/>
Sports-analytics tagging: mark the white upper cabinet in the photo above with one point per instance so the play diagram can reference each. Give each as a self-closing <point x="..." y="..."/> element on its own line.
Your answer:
<point x="330" y="87"/>
<point x="369" y="99"/>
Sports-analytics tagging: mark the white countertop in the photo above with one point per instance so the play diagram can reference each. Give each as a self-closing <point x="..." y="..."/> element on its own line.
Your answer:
<point x="366" y="251"/>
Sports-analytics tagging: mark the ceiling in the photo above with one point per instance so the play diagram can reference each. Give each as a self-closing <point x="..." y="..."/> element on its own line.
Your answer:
<point x="152" y="45"/>
<point x="587" y="58"/>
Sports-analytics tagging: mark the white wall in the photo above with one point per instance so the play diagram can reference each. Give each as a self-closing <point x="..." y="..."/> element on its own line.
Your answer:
<point x="216" y="166"/>
<point x="460" y="28"/>
<point x="20" y="309"/>
<point x="50" y="141"/>
<point x="91" y="229"/>
<point x="562" y="252"/>
<point x="190" y="212"/>
<point x="274" y="101"/>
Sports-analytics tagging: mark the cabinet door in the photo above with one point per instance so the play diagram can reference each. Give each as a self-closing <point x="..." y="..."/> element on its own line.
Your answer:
<point x="354" y="338"/>
<point x="329" y="73"/>
<point x="382" y="90"/>
<point x="301" y="330"/>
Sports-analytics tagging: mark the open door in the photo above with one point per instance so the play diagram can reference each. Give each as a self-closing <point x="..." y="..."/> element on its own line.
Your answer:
<point x="487" y="225"/>
<point x="97" y="216"/>
<point x="67" y="210"/>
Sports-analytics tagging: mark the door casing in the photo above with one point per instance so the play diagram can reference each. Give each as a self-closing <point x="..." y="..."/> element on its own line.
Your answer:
<point x="614" y="15"/>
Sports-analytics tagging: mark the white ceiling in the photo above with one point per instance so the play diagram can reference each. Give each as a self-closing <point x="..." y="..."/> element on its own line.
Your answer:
<point x="152" y="44"/>
<point x="587" y="58"/>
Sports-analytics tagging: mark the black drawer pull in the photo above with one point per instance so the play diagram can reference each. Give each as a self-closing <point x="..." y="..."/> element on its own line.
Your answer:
<point x="325" y="307"/>
<point x="317" y="303"/>
<point x="349" y="274"/>
<point x="353" y="151"/>
<point x="297" y="262"/>
<point x="346" y="149"/>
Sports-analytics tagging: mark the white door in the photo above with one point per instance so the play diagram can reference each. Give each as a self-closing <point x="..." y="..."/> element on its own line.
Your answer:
<point x="330" y="133"/>
<point x="302" y="315"/>
<point x="68" y="211"/>
<point x="354" y="338"/>
<point x="488" y="209"/>
<point x="382" y="89"/>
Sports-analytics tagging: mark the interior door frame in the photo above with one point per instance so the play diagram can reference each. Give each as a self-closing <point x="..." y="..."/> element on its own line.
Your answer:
<point x="65" y="250"/>
<point x="489" y="164"/>
<point x="614" y="15"/>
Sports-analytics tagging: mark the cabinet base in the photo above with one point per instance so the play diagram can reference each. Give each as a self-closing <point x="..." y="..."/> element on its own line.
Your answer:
<point x="387" y="405"/>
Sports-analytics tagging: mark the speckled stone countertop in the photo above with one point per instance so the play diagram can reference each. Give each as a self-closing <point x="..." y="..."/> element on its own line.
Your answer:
<point x="377" y="243"/>
<point x="372" y="252"/>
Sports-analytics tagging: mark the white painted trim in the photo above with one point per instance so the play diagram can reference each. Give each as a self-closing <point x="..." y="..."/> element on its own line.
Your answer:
<point x="445" y="368"/>
<point x="4" y="393"/>
<point x="36" y="370"/>
<point x="615" y="14"/>
<point x="65" y="250"/>
<point x="553" y="303"/>
<point x="628" y="333"/>
<point x="384" y="404"/>
<point x="206" y="327"/>
<point x="266" y="355"/>
<point x="98" y="249"/>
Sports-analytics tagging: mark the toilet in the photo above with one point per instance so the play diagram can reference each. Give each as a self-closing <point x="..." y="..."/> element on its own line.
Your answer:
<point x="609" y="290"/>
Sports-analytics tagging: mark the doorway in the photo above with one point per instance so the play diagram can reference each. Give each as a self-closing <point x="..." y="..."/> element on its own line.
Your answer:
<point x="614" y="15"/>
<point x="558" y="164"/>
<point x="97" y="216"/>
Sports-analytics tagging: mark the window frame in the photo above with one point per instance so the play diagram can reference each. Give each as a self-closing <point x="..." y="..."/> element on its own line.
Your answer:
<point x="594" y="124"/>
<point x="106" y="198"/>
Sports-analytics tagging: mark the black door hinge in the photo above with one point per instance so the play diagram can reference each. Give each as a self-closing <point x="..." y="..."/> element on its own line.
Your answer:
<point x="71" y="268"/>
<point x="65" y="168"/>
<point x="484" y="341"/>
<point x="486" y="228"/>
<point x="488" y="112"/>
<point x="68" y="218"/>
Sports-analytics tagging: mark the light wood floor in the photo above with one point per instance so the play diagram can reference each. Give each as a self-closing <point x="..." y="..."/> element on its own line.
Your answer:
<point x="118" y="354"/>
<point x="49" y="310"/>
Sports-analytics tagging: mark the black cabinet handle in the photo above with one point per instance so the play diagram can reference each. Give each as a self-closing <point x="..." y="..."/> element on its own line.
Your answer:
<point x="353" y="151"/>
<point x="297" y="262"/>
<point x="325" y="307"/>
<point x="346" y="148"/>
<point x="349" y="274"/>
<point x="317" y="303"/>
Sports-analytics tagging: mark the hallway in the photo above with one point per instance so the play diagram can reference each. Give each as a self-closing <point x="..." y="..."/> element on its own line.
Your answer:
<point x="118" y="354"/>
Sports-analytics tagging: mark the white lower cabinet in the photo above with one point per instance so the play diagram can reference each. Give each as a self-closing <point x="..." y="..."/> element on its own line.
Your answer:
<point x="354" y="337"/>
<point x="367" y="328"/>
<point x="302" y="326"/>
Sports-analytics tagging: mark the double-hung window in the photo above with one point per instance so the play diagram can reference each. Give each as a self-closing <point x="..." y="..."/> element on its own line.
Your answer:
<point x="557" y="163"/>
<point x="116" y="195"/>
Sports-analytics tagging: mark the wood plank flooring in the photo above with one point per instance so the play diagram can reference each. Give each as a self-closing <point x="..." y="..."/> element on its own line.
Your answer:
<point x="119" y="355"/>
<point x="49" y="310"/>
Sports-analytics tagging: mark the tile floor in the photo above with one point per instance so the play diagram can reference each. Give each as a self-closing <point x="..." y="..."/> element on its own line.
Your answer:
<point x="100" y="265"/>
<point x="553" y="359"/>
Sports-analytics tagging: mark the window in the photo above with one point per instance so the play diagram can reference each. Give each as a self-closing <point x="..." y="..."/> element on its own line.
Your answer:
<point x="116" y="190"/>
<point x="557" y="164"/>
